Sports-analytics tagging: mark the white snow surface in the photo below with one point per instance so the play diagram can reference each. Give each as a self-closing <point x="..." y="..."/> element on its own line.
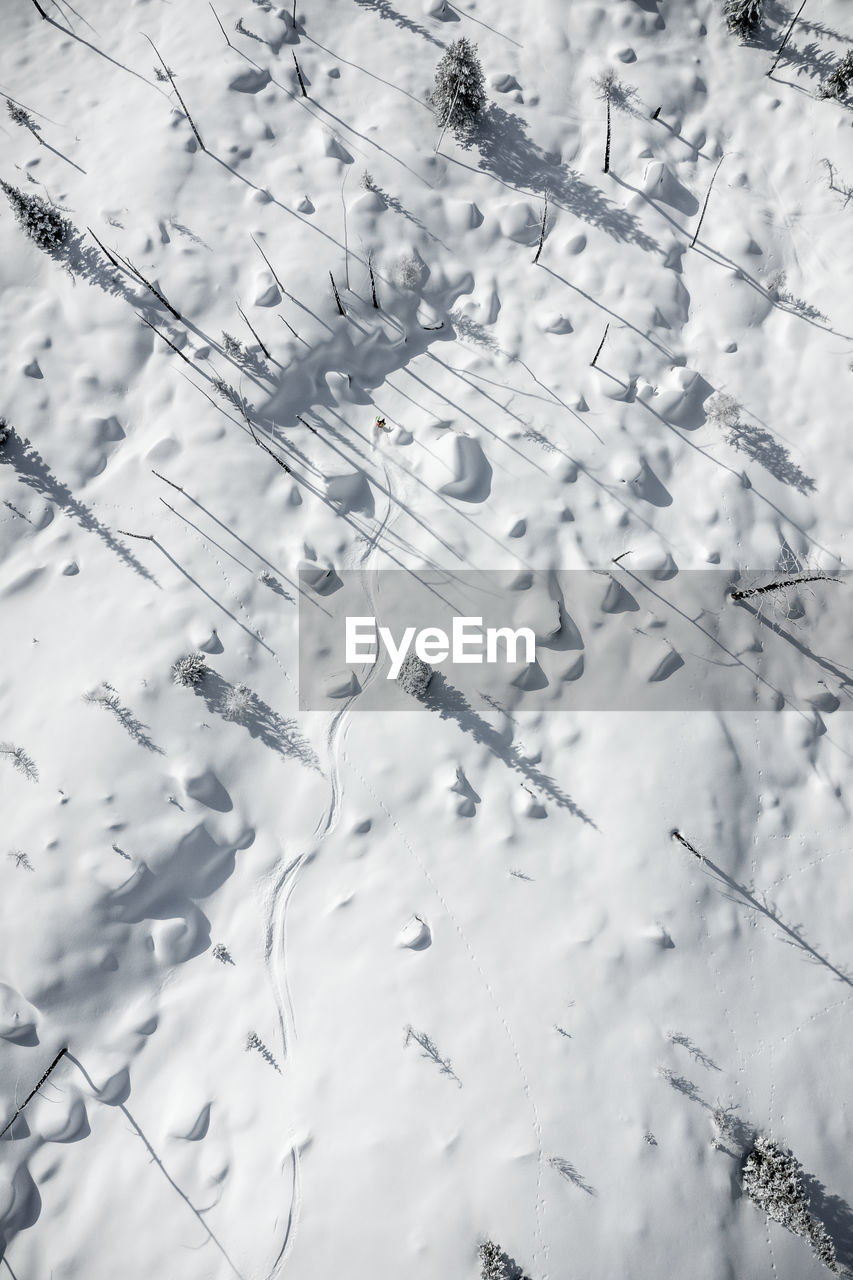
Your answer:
<point x="479" y="974"/>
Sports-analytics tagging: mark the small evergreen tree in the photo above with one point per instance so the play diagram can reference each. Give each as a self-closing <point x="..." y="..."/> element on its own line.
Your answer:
<point x="21" y="117"/>
<point x="742" y="16"/>
<point x="43" y="223"/>
<point x="414" y="676"/>
<point x="459" y="92"/>
<point x="491" y="1262"/>
<point x="190" y="670"/>
<point x="771" y="1178"/>
<point x="837" y="83"/>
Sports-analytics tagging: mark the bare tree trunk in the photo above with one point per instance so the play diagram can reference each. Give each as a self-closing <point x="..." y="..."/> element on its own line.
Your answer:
<point x="221" y="28"/>
<point x="299" y="77"/>
<point x="270" y="265"/>
<point x="337" y="295"/>
<point x="40" y="9"/>
<point x="254" y="332"/>
<point x="707" y="198"/>
<point x="600" y="346"/>
<point x="787" y="37"/>
<point x="33" y="1092"/>
<point x="372" y="282"/>
<point x="607" y="143"/>
<point x="177" y="93"/>
<point x="542" y="230"/>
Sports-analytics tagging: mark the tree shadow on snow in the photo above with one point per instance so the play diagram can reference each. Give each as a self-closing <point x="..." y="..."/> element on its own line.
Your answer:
<point x="507" y="151"/>
<point x="258" y="719"/>
<point x="765" y="449"/>
<point x="33" y="470"/>
<point x="386" y="10"/>
<point x="451" y="704"/>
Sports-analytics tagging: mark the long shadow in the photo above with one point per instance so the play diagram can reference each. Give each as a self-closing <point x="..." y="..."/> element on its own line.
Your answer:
<point x="681" y="435"/>
<point x="763" y="447"/>
<point x="463" y="376"/>
<point x="393" y="203"/>
<point x="258" y="719"/>
<point x="86" y="261"/>
<point x="509" y="154"/>
<point x="33" y="471"/>
<point x="249" y="632"/>
<point x="237" y="538"/>
<point x="74" y="36"/>
<point x="845" y="677"/>
<point x="384" y="9"/>
<point x="793" y="306"/>
<point x="358" y="461"/>
<point x="835" y="1214"/>
<point x="67" y="159"/>
<point x="359" y="67"/>
<point x="137" y="730"/>
<point x="363" y="136"/>
<point x="567" y="1170"/>
<point x="292" y="212"/>
<point x="451" y="704"/>
<point x="465" y="14"/>
<point x="614" y="315"/>
<point x="197" y="1213"/>
<point x="744" y="896"/>
<point x="809" y="59"/>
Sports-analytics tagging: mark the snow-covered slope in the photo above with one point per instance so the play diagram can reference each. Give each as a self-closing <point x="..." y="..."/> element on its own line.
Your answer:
<point x="348" y="993"/>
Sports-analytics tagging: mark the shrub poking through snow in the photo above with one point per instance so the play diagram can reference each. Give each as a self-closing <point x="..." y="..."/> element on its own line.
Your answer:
<point x="237" y="702"/>
<point x="44" y="224"/>
<point x="233" y="347"/>
<point x="414" y="676"/>
<point x="459" y="92"/>
<point x="837" y="83"/>
<point x="605" y="85"/>
<point x="190" y="670"/>
<point x="408" y="272"/>
<point x="771" y="1179"/>
<point x="723" y="411"/>
<point x="742" y="16"/>
<point x="5" y="431"/>
<point x="21" y="117"/>
<point x="495" y="1264"/>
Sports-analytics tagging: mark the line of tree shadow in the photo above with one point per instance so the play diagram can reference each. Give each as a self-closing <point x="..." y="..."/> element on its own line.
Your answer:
<point x="845" y="677"/>
<point x="133" y="726"/>
<point x="137" y="1129"/>
<point x="33" y="471"/>
<point x="430" y="1050"/>
<point x="567" y="1170"/>
<point x="736" y="1137"/>
<point x="810" y="60"/>
<point x="754" y="900"/>
<point x="244" y="707"/>
<point x="451" y="704"/>
<point x="507" y="151"/>
<point x="763" y="448"/>
<point x="384" y="9"/>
